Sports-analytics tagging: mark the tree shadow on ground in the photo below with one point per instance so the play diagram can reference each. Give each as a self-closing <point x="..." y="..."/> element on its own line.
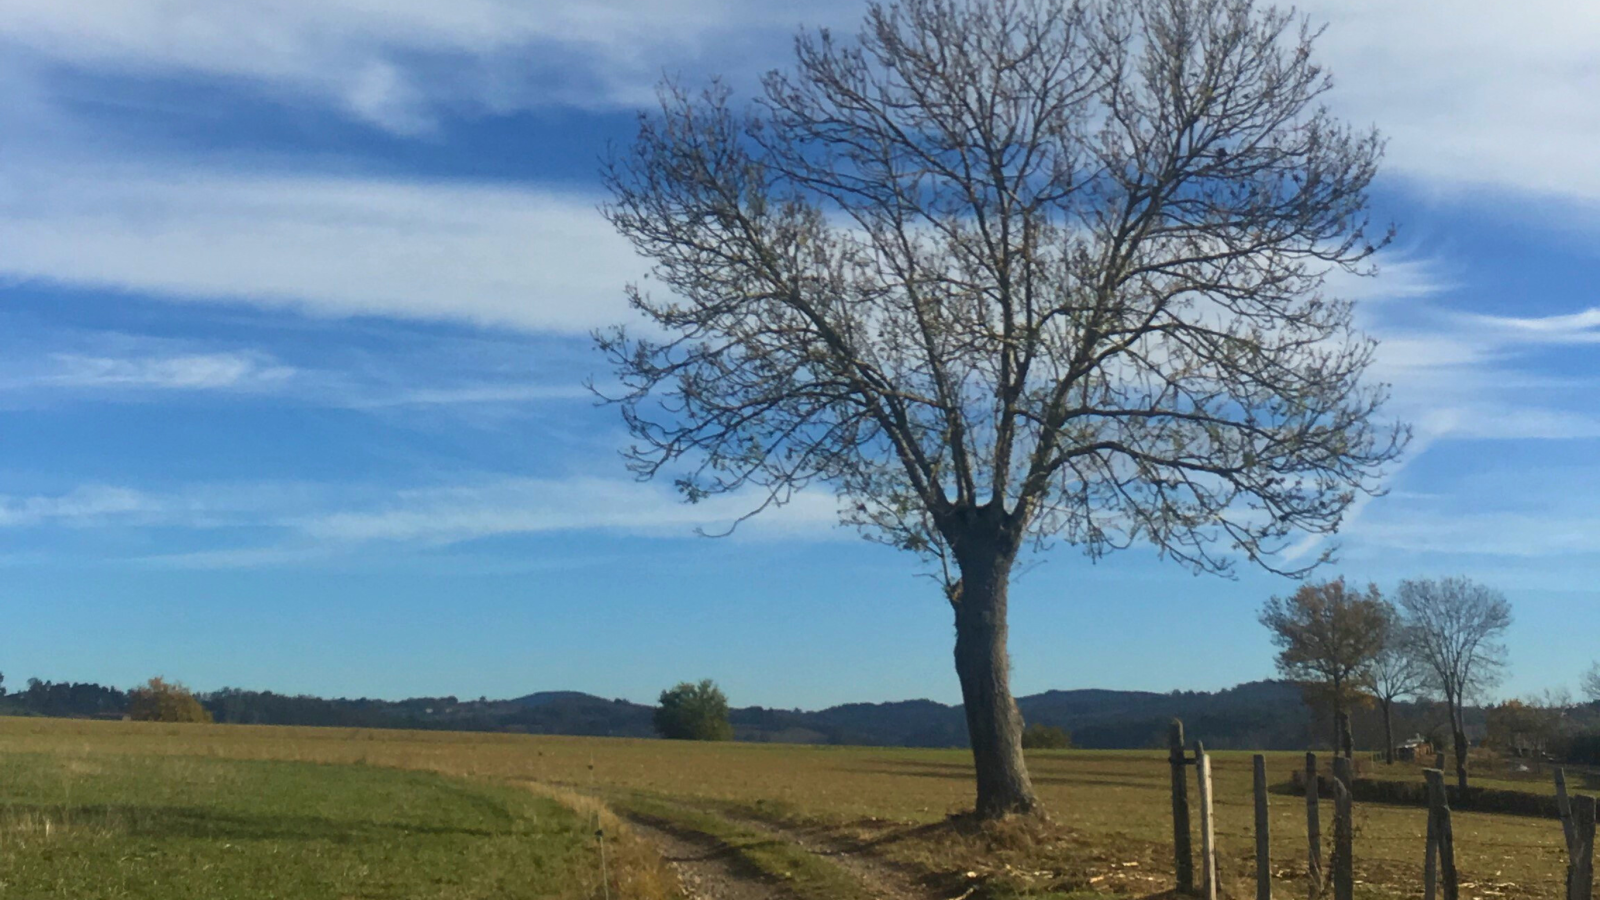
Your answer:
<point x="708" y="848"/>
<point x="963" y="772"/>
<point x="962" y="855"/>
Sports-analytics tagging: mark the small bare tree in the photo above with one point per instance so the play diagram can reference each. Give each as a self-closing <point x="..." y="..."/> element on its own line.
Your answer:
<point x="1396" y="674"/>
<point x="1003" y="271"/>
<point x="1329" y="637"/>
<point x="1455" y="625"/>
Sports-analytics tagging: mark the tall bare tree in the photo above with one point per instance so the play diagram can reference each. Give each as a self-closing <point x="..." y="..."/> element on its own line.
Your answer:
<point x="1589" y="684"/>
<point x="1328" y="637"/>
<point x="1396" y="674"/>
<point x="1011" y="271"/>
<point x="1455" y="626"/>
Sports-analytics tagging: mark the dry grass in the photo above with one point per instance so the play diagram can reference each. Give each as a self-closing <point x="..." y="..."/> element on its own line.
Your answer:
<point x="1110" y="829"/>
<point x="635" y="868"/>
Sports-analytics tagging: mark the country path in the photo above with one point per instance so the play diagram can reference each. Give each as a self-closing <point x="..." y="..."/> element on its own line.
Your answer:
<point x="711" y="868"/>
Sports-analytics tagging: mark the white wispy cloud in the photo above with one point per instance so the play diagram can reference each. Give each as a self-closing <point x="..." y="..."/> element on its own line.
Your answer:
<point x="534" y="506"/>
<point x="207" y="371"/>
<point x="1461" y="377"/>
<point x="1471" y="92"/>
<point x="1487" y="377"/>
<point x="281" y="524"/>
<point x="45" y="366"/>
<point x="395" y="63"/>
<point x="1573" y="328"/>
<point x="501" y="255"/>
<point x="84" y="506"/>
<point x="469" y="395"/>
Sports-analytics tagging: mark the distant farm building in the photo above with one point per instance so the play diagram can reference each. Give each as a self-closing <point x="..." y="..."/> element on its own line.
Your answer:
<point x="1414" y="748"/>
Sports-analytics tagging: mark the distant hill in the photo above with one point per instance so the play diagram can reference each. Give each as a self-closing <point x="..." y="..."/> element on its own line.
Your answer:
<point x="1265" y="714"/>
<point x="1262" y="715"/>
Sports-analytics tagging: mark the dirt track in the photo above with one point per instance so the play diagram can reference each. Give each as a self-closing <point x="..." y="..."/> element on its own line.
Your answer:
<point x="710" y="870"/>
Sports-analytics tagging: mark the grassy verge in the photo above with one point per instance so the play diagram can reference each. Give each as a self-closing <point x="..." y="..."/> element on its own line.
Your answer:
<point x="172" y="828"/>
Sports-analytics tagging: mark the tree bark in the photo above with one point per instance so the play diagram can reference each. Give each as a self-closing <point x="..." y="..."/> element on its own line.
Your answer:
<point x="1388" y="731"/>
<point x="1458" y="728"/>
<point x="982" y="663"/>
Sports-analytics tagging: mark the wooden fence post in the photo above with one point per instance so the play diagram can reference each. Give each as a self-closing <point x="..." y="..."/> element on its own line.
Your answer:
<point x="1344" y="883"/>
<point x="1344" y="771"/>
<point x="1182" y="851"/>
<point x="1313" y="830"/>
<point x="1580" y="865"/>
<point x="1263" y="832"/>
<point x="1564" y="807"/>
<point x="1430" y="867"/>
<point x="1208" y="835"/>
<point x="1443" y="836"/>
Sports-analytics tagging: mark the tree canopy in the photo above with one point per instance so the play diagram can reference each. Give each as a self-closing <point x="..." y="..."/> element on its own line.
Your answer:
<point x="694" y="712"/>
<point x="1329" y="637"/>
<point x="160" y="700"/>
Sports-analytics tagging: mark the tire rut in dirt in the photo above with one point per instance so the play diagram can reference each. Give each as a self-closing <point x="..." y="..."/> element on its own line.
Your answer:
<point x="883" y="880"/>
<point x="708" y="868"/>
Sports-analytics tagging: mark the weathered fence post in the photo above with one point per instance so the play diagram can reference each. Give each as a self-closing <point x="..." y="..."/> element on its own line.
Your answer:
<point x="1343" y="771"/>
<point x="1344" y="882"/>
<point x="1313" y="829"/>
<point x="1564" y="807"/>
<point x="1263" y="832"/>
<point x="1580" y="865"/>
<point x="1208" y="834"/>
<point x="1182" y="852"/>
<point x="1443" y="836"/>
<point x="1430" y="867"/>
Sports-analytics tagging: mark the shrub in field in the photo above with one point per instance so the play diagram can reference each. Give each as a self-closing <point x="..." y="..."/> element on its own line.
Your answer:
<point x="165" y="701"/>
<point x="694" y="712"/>
<point x="1045" y="737"/>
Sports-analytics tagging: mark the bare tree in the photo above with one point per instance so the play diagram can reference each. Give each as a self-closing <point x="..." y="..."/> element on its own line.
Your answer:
<point x="1455" y="626"/>
<point x="1590" y="684"/>
<point x="1010" y="271"/>
<point x="1396" y="674"/>
<point x="1329" y="637"/>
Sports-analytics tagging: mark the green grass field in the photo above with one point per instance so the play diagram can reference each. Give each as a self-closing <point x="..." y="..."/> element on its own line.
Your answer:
<point x="143" y="810"/>
<point x="89" y="825"/>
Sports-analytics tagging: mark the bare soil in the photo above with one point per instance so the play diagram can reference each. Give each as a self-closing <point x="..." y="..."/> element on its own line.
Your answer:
<point x="707" y="868"/>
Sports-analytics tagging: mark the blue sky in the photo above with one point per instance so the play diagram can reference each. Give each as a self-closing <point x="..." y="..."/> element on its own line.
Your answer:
<point x="293" y="305"/>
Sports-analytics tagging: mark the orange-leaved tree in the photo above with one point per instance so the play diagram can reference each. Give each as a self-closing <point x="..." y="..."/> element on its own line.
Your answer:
<point x="160" y="700"/>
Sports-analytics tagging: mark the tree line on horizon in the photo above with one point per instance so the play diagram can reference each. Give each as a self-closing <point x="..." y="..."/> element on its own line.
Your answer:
<point x="157" y="700"/>
<point x="1268" y="715"/>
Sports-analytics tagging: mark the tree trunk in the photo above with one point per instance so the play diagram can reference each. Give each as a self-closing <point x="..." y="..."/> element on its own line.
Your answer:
<point x="1388" y="731"/>
<point x="1459" y="726"/>
<point x="984" y="667"/>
